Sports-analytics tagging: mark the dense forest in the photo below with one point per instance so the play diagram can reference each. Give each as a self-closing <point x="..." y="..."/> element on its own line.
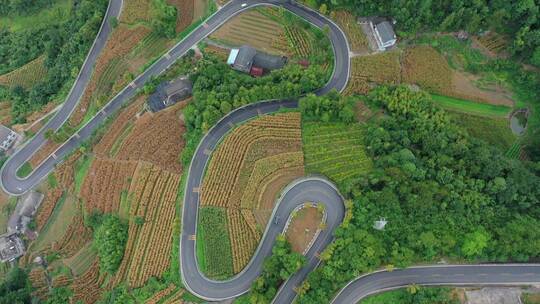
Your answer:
<point x="22" y="7"/>
<point x="444" y="194"/>
<point x="519" y="19"/>
<point x="65" y="47"/>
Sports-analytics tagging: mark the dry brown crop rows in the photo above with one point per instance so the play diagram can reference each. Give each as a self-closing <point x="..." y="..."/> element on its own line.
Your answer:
<point x="135" y="10"/>
<point x="493" y="42"/>
<point x="221" y="53"/>
<point x="87" y="288"/>
<point x="156" y="138"/>
<point x="238" y="168"/>
<point x="46" y="208"/>
<point x="243" y="241"/>
<point x="355" y="35"/>
<point x="176" y="298"/>
<point x="104" y="183"/>
<point x="235" y="157"/>
<point x="367" y="71"/>
<point x="65" y="173"/>
<point x="264" y="168"/>
<point x="60" y="281"/>
<point x="298" y="41"/>
<point x="38" y="278"/>
<point x="5" y="112"/>
<point x="105" y="144"/>
<point x="185" y="13"/>
<point x="424" y="66"/>
<point x="152" y="195"/>
<point x="161" y="294"/>
<point x="255" y="29"/>
<point x="121" y="42"/>
<point x="76" y="236"/>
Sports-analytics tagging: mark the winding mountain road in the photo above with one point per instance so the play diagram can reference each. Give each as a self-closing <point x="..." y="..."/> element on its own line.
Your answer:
<point x="300" y="191"/>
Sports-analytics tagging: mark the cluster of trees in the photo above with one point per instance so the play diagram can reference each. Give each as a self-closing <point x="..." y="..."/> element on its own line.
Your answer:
<point x="519" y="19"/>
<point x="331" y="107"/>
<point x="22" y="7"/>
<point x="16" y="287"/>
<point x="110" y="237"/>
<point x="164" y="18"/>
<point x="65" y="47"/>
<point x="218" y="89"/>
<point x="444" y="194"/>
<point x="59" y="295"/>
<point x="276" y="269"/>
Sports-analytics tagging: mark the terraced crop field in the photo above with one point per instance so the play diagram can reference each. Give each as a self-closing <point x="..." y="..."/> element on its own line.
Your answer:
<point x="246" y="171"/>
<point x="27" y="75"/>
<point x="335" y="150"/>
<point x="151" y="201"/>
<point x="255" y="29"/>
<point x="366" y="71"/>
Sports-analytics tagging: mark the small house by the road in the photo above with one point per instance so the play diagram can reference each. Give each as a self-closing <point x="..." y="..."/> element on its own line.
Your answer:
<point x="11" y="247"/>
<point x="248" y="60"/>
<point x="25" y="210"/>
<point x="384" y="35"/>
<point x="7" y="138"/>
<point x="169" y="93"/>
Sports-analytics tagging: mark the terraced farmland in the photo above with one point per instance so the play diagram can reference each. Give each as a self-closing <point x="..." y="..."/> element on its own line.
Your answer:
<point x="27" y="75"/>
<point x="246" y="171"/>
<point x="255" y="29"/>
<point x="366" y="71"/>
<point x="335" y="150"/>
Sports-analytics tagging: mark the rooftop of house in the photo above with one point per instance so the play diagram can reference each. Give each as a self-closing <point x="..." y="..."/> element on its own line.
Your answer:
<point x="11" y="247"/>
<point x="170" y="92"/>
<point x="246" y="57"/>
<point x="386" y="31"/>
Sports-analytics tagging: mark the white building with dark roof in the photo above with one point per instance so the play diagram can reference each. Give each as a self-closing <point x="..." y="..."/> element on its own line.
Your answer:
<point x="248" y="60"/>
<point x="384" y="35"/>
<point x="7" y="137"/>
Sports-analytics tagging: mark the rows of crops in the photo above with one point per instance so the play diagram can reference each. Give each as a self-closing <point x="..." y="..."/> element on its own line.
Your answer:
<point x="254" y="140"/>
<point x="255" y="29"/>
<point x="265" y="168"/>
<point x="217" y="246"/>
<point x="299" y="41"/>
<point x="158" y="296"/>
<point x="424" y="66"/>
<point x="382" y="68"/>
<point x="87" y="288"/>
<point x="47" y="206"/>
<point x="27" y="75"/>
<point x="5" y="112"/>
<point x="244" y="240"/>
<point x="335" y="150"/>
<point x="104" y="183"/>
<point x="152" y="198"/>
<point x="356" y="37"/>
<point x="493" y="42"/>
<point x="76" y="236"/>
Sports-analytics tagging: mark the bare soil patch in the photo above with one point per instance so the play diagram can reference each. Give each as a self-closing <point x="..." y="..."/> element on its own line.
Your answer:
<point x="303" y="227"/>
<point x="184" y="17"/>
<point x="463" y="86"/>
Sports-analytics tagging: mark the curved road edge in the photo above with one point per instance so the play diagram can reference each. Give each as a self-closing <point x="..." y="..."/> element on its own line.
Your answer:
<point x="438" y="275"/>
<point x="27" y="150"/>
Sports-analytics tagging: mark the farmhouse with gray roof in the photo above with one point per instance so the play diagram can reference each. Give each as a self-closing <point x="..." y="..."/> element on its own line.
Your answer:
<point x="169" y="93"/>
<point x="384" y="35"/>
<point x="248" y="60"/>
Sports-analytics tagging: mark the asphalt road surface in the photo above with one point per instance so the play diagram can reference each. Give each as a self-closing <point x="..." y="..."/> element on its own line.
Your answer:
<point x="451" y="275"/>
<point x="309" y="189"/>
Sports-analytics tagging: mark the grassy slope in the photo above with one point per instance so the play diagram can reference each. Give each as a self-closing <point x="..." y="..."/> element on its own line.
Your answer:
<point x="216" y="246"/>
<point x="335" y="150"/>
<point x="470" y="106"/>
<point x="57" y="13"/>
<point x="493" y="130"/>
